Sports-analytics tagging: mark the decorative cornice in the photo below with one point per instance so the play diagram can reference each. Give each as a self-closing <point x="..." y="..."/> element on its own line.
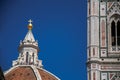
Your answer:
<point x="28" y="45"/>
<point x="101" y="62"/>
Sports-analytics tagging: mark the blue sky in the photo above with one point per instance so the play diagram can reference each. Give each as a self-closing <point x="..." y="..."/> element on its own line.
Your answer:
<point x="60" y="26"/>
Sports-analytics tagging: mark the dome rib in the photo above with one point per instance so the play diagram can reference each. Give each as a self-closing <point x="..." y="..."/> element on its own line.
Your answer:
<point x="51" y="74"/>
<point x="36" y="73"/>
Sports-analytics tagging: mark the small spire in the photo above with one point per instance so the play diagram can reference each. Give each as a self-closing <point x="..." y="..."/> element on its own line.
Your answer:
<point x="30" y="24"/>
<point x="29" y="36"/>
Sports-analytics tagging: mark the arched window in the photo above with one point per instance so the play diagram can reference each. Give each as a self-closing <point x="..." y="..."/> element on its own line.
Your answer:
<point x="27" y="57"/>
<point x="93" y="51"/>
<point x="113" y="30"/>
<point x="33" y="57"/>
<point x="115" y="33"/>
<point x="118" y="33"/>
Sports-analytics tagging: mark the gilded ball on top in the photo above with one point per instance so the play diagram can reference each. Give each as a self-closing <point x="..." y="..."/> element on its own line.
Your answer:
<point x="30" y="26"/>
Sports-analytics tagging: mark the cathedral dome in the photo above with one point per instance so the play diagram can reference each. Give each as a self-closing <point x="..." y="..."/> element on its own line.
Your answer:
<point x="29" y="73"/>
<point x="28" y="66"/>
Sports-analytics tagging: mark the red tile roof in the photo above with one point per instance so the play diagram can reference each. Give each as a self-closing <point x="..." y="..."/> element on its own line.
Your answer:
<point x="27" y="73"/>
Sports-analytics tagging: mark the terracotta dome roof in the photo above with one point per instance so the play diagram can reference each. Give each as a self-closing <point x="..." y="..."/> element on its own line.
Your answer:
<point x="29" y="73"/>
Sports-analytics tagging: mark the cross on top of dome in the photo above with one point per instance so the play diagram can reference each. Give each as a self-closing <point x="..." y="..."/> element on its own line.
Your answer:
<point x="30" y="21"/>
<point x="30" y="24"/>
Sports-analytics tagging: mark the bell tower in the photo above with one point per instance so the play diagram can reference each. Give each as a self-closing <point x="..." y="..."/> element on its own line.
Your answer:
<point x="103" y="40"/>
